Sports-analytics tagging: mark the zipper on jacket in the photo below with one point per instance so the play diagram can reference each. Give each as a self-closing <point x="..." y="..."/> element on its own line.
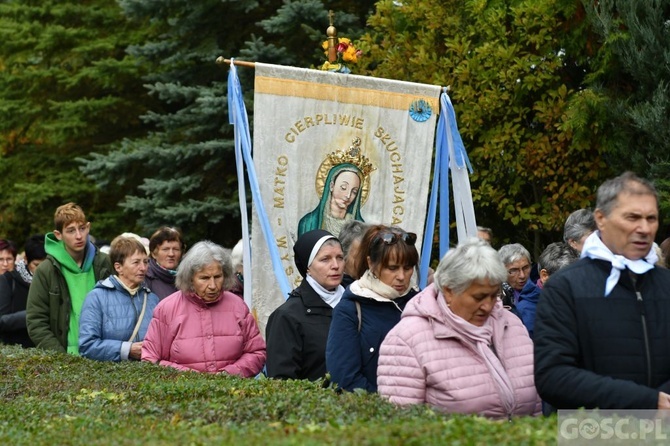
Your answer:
<point x="646" y="335"/>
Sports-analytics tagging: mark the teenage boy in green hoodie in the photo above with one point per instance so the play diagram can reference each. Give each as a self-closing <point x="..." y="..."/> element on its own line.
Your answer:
<point x="60" y="284"/>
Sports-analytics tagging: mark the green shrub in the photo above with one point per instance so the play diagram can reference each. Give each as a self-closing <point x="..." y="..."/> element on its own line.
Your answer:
<point x="56" y="399"/>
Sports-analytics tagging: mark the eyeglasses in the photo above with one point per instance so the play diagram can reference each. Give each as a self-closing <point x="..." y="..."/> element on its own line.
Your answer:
<point x="391" y="238"/>
<point x="517" y="271"/>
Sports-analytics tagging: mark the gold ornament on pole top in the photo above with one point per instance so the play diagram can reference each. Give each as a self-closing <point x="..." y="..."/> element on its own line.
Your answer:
<point x="331" y="32"/>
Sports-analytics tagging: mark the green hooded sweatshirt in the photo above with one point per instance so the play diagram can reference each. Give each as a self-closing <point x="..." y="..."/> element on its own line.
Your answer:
<point x="80" y="280"/>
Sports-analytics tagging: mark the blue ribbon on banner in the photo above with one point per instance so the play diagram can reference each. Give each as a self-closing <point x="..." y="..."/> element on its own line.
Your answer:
<point x="460" y="155"/>
<point x="238" y="118"/>
<point x="441" y="160"/>
<point x="447" y="135"/>
<point x="443" y="146"/>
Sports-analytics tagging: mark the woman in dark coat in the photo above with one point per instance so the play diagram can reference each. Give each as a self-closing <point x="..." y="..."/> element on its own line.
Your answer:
<point x="371" y="306"/>
<point x="297" y="331"/>
<point x="14" y="287"/>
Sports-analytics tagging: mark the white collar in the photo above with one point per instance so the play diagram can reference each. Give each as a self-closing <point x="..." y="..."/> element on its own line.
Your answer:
<point x="332" y="298"/>
<point x="594" y="248"/>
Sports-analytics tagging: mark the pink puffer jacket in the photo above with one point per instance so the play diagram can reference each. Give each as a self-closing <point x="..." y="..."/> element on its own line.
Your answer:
<point x="188" y="334"/>
<point x="423" y="360"/>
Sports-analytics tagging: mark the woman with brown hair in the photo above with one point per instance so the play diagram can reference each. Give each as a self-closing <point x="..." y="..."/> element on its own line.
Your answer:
<point x="116" y="313"/>
<point x="166" y="247"/>
<point x="371" y="306"/>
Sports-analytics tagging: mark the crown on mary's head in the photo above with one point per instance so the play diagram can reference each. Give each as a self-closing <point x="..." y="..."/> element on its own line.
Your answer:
<point x="353" y="155"/>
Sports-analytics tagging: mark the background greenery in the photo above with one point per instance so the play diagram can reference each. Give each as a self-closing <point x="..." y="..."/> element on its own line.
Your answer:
<point x="57" y="399"/>
<point x="120" y="107"/>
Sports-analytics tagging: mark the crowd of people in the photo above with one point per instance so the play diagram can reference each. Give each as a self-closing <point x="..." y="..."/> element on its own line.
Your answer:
<point x="493" y="333"/>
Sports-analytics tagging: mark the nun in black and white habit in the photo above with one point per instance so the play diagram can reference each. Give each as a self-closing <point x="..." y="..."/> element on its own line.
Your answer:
<point x="297" y="331"/>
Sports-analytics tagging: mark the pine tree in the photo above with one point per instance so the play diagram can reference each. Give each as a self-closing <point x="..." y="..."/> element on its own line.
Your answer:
<point x="632" y="71"/>
<point x="295" y="31"/>
<point x="66" y="86"/>
<point x="183" y="173"/>
<point x="631" y="78"/>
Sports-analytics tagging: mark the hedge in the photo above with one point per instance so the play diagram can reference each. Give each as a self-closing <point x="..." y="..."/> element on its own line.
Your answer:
<point x="56" y="399"/>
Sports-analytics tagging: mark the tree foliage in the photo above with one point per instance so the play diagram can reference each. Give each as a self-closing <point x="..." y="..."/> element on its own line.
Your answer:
<point x="66" y="86"/>
<point x="631" y="78"/>
<point x="296" y="29"/>
<point x="183" y="173"/>
<point x="514" y="68"/>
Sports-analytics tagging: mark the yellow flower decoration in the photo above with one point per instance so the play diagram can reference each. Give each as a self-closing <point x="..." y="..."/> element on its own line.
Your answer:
<point x="346" y="54"/>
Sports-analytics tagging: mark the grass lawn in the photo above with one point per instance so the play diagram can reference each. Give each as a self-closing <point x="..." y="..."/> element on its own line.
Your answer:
<point x="57" y="399"/>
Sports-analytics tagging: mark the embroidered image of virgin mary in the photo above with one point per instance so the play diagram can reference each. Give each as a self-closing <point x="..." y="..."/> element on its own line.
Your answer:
<point x="342" y="183"/>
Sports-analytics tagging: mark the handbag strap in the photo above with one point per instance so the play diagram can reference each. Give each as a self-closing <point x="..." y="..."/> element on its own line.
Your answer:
<point x="358" y="313"/>
<point x="139" y="319"/>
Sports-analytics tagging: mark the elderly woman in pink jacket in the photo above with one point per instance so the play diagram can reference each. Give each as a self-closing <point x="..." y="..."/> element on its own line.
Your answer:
<point x="456" y="348"/>
<point x="202" y="327"/>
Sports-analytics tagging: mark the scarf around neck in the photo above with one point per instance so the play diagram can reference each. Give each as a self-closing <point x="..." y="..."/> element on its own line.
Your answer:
<point x="594" y="248"/>
<point x="158" y="272"/>
<point x="332" y="298"/>
<point x="482" y="338"/>
<point x="379" y="290"/>
<point x="131" y="291"/>
<point x="23" y="271"/>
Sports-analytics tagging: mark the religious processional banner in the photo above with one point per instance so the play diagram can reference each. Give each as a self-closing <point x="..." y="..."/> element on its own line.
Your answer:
<point x="331" y="147"/>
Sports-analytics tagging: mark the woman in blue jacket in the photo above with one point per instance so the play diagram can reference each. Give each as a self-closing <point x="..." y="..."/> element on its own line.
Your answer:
<point x="116" y="313"/>
<point x="371" y="306"/>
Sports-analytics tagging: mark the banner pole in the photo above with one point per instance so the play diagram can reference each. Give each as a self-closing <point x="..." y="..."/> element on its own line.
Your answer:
<point x="242" y="63"/>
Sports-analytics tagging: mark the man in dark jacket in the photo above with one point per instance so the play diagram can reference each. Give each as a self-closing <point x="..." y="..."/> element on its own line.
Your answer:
<point x="61" y="282"/>
<point x="601" y="330"/>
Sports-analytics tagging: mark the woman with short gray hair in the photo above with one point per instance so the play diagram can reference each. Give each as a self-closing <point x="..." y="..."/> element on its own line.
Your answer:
<point x="578" y="226"/>
<point x="517" y="261"/>
<point x="456" y="348"/>
<point x="200" y="256"/>
<point x="203" y="327"/>
<point x="473" y="264"/>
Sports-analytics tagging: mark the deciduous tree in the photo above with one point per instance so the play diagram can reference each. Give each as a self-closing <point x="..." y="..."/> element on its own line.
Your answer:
<point x="514" y="68"/>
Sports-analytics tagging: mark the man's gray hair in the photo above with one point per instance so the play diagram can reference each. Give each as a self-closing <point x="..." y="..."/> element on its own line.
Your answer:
<point x="628" y="182"/>
<point x="578" y="224"/>
<point x="351" y="231"/>
<point x="197" y="258"/>
<point x="471" y="261"/>
<point x="555" y="256"/>
<point x="513" y="252"/>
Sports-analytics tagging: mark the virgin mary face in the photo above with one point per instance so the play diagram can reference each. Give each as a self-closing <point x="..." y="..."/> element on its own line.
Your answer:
<point x="343" y="190"/>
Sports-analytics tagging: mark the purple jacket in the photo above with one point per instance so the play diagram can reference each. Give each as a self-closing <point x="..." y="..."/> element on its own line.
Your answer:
<point x="424" y="360"/>
<point x="188" y="334"/>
